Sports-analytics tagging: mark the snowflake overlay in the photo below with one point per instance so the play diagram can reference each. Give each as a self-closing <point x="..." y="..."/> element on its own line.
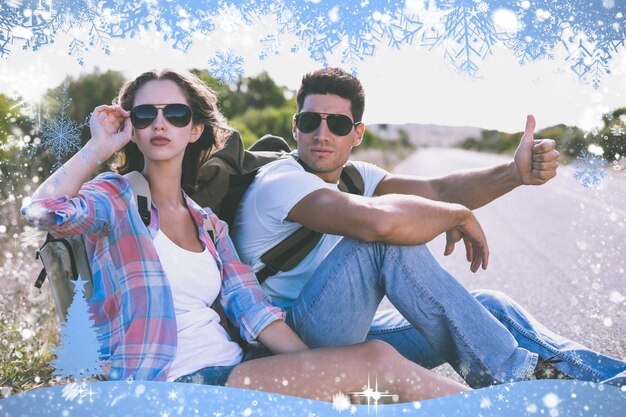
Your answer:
<point x="61" y="134"/>
<point x="370" y="393"/>
<point x="618" y="131"/>
<point x="465" y="32"/>
<point x="140" y="390"/>
<point x="226" y="66"/>
<point x="590" y="169"/>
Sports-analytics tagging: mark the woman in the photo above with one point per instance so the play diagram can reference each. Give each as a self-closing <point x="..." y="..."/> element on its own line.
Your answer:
<point x="153" y="286"/>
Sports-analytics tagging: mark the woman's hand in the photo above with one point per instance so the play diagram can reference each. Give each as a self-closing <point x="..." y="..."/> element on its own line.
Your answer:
<point x="111" y="130"/>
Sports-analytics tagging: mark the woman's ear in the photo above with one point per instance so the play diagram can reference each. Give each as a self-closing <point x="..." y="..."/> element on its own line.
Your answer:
<point x="196" y="132"/>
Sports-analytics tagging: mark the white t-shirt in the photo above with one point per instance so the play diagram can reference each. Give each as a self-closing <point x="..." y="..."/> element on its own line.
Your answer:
<point x="195" y="283"/>
<point x="261" y="224"/>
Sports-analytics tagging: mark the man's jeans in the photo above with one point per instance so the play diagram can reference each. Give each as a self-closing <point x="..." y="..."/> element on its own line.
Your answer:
<point x="485" y="336"/>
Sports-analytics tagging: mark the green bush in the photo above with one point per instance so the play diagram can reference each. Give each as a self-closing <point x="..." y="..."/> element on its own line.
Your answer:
<point x="271" y="120"/>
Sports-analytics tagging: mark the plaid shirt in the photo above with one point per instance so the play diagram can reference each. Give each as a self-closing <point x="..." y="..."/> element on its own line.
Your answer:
<point x="132" y="302"/>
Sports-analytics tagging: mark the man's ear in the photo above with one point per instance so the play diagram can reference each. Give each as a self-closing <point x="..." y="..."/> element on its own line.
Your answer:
<point x="360" y="131"/>
<point x="196" y="132"/>
<point x="294" y="129"/>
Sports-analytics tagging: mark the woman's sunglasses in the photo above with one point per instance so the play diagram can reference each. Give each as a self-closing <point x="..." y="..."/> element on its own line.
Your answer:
<point x="309" y="121"/>
<point x="178" y="115"/>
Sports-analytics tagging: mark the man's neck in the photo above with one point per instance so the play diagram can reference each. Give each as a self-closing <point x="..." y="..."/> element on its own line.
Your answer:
<point x="329" y="177"/>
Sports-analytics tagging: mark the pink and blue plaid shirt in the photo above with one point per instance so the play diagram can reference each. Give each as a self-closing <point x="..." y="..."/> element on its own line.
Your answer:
<point x="132" y="303"/>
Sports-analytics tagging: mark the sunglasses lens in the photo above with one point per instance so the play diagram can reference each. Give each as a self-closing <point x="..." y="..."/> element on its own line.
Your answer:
<point x="142" y="116"/>
<point x="177" y="114"/>
<point x="339" y="124"/>
<point x="307" y="122"/>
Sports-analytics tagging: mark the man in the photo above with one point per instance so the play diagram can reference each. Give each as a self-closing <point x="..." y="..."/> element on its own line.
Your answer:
<point x="374" y="245"/>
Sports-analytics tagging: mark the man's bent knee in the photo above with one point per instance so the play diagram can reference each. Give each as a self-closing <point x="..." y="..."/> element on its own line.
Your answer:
<point x="492" y="299"/>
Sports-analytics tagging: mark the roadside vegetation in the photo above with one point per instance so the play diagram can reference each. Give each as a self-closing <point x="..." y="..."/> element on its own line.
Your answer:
<point x="609" y="141"/>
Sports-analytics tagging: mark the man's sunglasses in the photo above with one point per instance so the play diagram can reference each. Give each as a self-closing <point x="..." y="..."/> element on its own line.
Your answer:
<point x="178" y="115"/>
<point x="309" y="121"/>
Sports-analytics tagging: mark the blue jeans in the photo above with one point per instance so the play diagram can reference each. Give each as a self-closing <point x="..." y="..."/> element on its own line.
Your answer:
<point x="212" y="375"/>
<point x="485" y="336"/>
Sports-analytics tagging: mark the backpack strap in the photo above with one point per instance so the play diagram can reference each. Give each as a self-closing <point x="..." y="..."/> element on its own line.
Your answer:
<point x="208" y="226"/>
<point x="287" y="254"/>
<point x="141" y="195"/>
<point x="351" y="180"/>
<point x="68" y="247"/>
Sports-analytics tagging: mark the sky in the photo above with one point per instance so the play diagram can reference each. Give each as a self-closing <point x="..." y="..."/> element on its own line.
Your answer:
<point x="404" y="85"/>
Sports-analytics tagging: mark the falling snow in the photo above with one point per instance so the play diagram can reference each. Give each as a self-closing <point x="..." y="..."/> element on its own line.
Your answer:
<point x="617" y="130"/>
<point x="139" y="390"/>
<point x="464" y="369"/>
<point x="197" y="379"/>
<point x="341" y="402"/>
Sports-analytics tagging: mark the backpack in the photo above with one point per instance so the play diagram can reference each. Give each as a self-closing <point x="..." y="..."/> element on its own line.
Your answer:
<point x="226" y="175"/>
<point x="66" y="259"/>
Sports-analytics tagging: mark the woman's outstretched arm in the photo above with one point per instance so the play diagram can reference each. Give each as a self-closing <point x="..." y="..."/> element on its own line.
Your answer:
<point x="320" y="373"/>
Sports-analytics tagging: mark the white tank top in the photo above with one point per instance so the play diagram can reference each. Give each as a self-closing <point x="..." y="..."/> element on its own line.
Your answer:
<point x="195" y="284"/>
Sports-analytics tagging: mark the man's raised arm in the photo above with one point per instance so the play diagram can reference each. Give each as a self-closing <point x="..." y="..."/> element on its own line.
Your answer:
<point x="534" y="163"/>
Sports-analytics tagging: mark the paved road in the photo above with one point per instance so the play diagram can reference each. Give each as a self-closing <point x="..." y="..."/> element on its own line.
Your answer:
<point x="558" y="249"/>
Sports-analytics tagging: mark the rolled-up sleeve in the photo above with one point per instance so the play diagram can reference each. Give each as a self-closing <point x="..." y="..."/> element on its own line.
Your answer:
<point x="243" y="300"/>
<point x="88" y="212"/>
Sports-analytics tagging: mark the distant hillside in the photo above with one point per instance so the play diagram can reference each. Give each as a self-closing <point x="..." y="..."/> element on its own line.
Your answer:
<point x="430" y="135"/>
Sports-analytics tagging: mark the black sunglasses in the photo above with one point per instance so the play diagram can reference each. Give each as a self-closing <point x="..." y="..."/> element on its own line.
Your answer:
<point x="309" y="121"/>
<point x="177" y="114"/>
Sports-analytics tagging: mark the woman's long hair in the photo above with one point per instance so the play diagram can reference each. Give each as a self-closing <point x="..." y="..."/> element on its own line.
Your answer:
<point x="204" y="111"/>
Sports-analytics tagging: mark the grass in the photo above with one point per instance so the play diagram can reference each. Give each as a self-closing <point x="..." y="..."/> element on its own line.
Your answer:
<point x="25" y="363"/>
<point x="28" y="322"/>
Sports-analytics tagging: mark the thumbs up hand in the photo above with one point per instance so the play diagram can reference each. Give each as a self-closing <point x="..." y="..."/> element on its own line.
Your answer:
<point x="535" y="159"/>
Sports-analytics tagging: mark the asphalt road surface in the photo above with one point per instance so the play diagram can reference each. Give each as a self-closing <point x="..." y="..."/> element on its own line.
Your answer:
<point x="558" y="249"/>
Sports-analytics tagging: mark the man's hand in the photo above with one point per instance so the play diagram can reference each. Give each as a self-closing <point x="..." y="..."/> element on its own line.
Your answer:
<point x="535" y="159"/>
<point x="476" y="248"/>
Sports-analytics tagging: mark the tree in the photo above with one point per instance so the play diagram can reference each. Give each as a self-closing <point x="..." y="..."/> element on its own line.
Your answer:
<point x="258" y="92"/>
<point x="275" y="121"/>
<point x="612" y="137"/>
<point x="17" y="165"/>
<point x="78" y="351"/>
<point x="87" y="92"/>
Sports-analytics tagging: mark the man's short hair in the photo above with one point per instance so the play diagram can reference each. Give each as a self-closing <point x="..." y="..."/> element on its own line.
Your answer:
<point x="333" y="81"/>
